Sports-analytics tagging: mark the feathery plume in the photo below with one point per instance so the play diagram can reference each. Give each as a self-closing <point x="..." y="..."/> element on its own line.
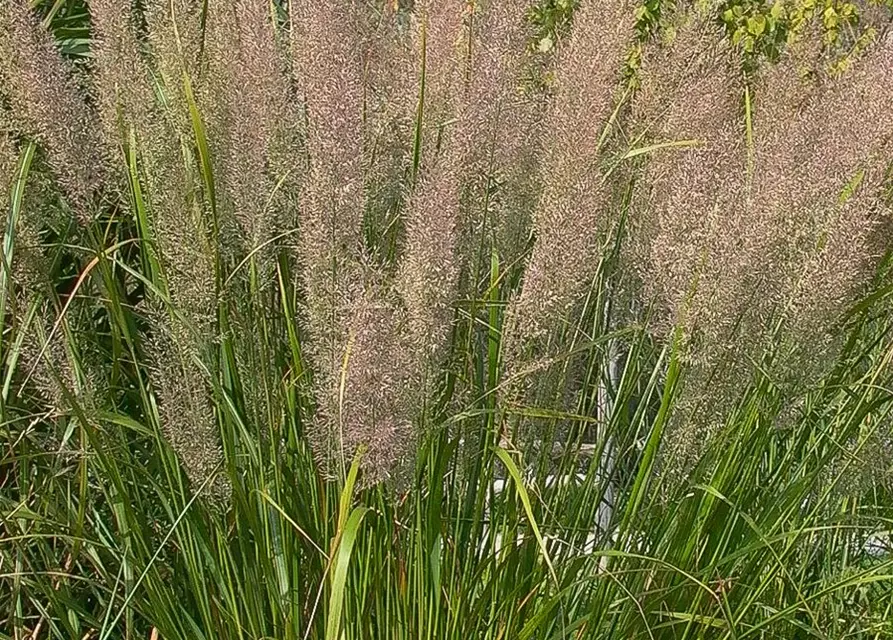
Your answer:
<point x="498" y="122"/>
<point x="428" y="272"/>
<point x="177" y="39"/>
<point x="441" y="43"/>
<point x="175" y="35"/>
<point x="370" y="402"/>
<point x="695" y="247"/>
<point x="483" y="144"/>
<point x="183" y="334"/>
<point x="45" y="354"/>
<point x="805" y="154"/>
<point x="252" y="130"/>
<point x="49" y="103"/>
<point x="182" y="233"/>
<point x="391" y="105"/>
<point x="723" y="257"/>
<point x="250" y="110"/>
<point x="45" y="358"/>
<point x="805" y="158"/>
<point x="185" y="409"/>
<point x="330" y="68"/>
<point x="390" y="65"/>
<point x="177" y="213"/>
<point x="330" y="248"/>
<point x="187" y="331"/>
<point x="124" y="93"/>
<point x="697" y="241"/>
<point x="571" y="210"/>
<point x="716" y="260"/>
<point x="848" y="249"/>
<point x="26" y="268"/>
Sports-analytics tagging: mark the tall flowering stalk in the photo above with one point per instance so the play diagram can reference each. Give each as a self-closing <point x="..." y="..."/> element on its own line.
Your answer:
<point x="573" y="206"/>
<point x="330" y="251"/>
<point x="177" y="40"/>
<point x="696" y="239"/>
<point x="452" y="115"/>
<point x="389" y="114"/>
<point x="731" y="259"/>
<point x="694" y="246"/>
<point x="820" y="169"/>
<point x="428" y="272"/>
<point x="179" y="218"/>
<point x="500" y="131"/>
<point x="376" y="398"/>
<point x="440" y="44"/>
<point x="331" y="247"/>
<point x="475" y="75"/>
<point x="183" y="332"/>
<point x="49" y="105"/>
<point x="124" y="92"/>
<point x="250" y="114"/>
<point x="721" y="250"/>
<point x="186" y="406"/>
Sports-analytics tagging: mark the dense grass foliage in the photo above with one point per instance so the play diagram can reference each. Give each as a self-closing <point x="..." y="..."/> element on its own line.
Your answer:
<point x="348" y="320"/>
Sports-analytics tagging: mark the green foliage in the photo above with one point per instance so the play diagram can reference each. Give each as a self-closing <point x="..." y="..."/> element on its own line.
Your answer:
<point x="759" y="27"/>
<point x="755" y="28"/>
<point x="69" y="21"/>
<point x="551" y="19"/>
<point x="764" y="28"/>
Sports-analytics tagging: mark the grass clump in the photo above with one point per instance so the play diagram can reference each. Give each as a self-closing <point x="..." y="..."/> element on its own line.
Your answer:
<point x="326" y="320"/>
